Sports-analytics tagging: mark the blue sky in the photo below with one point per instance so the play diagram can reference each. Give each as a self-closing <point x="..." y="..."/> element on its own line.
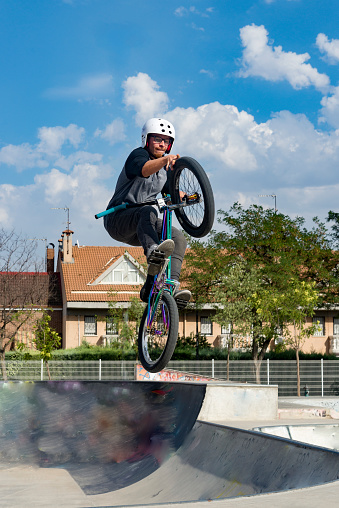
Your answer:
<point x="250" y="85"/>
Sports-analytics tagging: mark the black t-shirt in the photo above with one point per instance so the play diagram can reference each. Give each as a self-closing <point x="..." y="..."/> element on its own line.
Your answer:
<point x="135" y="162"/>
<point x="132" y="186"/>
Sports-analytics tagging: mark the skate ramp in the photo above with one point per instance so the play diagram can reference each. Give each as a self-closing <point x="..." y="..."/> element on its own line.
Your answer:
<point x="137" y="443"/>
<point x="107" y="435"/>
<point x="217" y="462"/>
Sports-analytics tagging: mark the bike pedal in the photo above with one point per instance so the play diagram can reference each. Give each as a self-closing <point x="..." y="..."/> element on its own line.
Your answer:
<point x="156" y="257"/>
<point x="155" y="262"/>
<point x="181" y="304"/>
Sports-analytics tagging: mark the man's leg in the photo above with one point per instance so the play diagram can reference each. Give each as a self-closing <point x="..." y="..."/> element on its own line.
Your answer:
<point x="181" y="296"/>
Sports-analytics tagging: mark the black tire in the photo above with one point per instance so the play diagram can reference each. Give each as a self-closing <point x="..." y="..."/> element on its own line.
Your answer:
<point x="189" y="177"/>
<point x="156" y="343"/>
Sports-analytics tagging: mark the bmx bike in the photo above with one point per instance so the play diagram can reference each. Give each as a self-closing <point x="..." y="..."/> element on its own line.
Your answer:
<point x="191" y="199"/>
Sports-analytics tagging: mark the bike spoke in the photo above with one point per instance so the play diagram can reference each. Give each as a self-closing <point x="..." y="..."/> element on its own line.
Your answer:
<point x="156" y="333"/>
<point x="189" y="185"/>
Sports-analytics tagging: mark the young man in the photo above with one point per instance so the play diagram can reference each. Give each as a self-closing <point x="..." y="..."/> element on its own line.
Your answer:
<point x="142" y="178"/>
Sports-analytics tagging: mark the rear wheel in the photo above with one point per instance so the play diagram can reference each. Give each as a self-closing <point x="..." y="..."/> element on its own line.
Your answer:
<point x="158" y="332"/>
<point x="188" y="178"/>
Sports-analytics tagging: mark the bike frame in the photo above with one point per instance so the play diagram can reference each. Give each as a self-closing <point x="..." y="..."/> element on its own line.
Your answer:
<point x="162" y="281"/>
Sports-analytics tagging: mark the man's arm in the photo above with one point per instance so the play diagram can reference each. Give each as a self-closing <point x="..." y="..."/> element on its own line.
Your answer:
<point x="154" y="165"/>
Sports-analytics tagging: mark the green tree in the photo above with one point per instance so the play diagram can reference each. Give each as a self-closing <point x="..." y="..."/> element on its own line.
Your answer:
<point x="271" y="249"/>
<point x="334" y="218"/>
<point x="124" y="321"/>
<point x="292" y="307"/>
<point x="233" y="305"/>
<point x="46" y="339"/>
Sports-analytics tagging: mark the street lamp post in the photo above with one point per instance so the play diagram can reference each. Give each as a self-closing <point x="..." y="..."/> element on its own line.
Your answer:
<point x="270" y="196"/>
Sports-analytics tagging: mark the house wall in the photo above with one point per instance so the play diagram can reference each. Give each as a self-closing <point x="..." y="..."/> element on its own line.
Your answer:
<point x="188" y="327"/>
<point x="26" y="333"/>
<point x="75" y="333"/>
<point x="321" y="344"/>
<point x="75" y="328"/>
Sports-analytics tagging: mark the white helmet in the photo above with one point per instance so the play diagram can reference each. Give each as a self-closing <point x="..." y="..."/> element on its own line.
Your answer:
<point x="157" y="126"/>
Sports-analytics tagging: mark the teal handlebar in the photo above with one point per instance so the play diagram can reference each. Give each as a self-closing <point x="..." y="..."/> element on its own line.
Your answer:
<point x="159" y="202"/>
<point x="111" y="210"/>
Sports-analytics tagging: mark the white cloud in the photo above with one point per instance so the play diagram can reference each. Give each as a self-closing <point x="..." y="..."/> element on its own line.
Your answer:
<point x="53" y="138"/>
<point x="97" y="87"/>
<point x="76" y="181"/>
<point x="261" y="59"/>
<point x="181" y="11"/>
<point x="22" y="157"/>
<point x="82" y="190"/>
<point x="198" y="28"/>
<point x="285" y="150"/>
<point x="80" y="157"/>
<point x="221" y="133"/>
<point x="331" y="48"/>
<point x="208" y="73"/>
<point x="143" y="95"/>
<point x="56" y="184"/>
<point x="330" y="108"/>
<point x="8" y="202"/>
<point x="285" y="155"/>
<point x="186" y="11"/>
<point x="113" y="132"/>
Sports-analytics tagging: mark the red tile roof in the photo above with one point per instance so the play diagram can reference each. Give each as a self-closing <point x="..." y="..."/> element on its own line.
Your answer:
<point x="89" y="264"/>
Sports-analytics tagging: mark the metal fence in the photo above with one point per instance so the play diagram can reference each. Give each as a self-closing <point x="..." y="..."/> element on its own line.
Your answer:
<point x="20" y="370"/>
<point x="321" y="377"/>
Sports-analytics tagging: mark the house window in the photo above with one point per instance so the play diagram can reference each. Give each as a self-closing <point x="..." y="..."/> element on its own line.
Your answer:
<point x="319" y="321"/>
<point x="335" y="326"/>
<point x="111" y="326"/>
<point x="225" y="329"/>
<point x="90" y="325"/>
<point x="206" y="326"/>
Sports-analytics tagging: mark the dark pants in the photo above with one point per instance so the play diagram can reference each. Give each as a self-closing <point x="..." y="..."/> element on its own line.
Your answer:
<point x="141" y="226"/>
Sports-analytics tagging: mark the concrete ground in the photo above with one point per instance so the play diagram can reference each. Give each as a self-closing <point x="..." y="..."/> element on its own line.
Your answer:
<point x="55" y="488"/>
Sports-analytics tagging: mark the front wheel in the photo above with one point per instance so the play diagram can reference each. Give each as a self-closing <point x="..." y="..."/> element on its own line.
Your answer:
<point x="188" y="178"/>
<point x="158" y="332"/>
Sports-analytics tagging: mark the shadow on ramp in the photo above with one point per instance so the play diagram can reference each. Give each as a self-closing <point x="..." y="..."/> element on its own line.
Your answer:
<point x="107" y="435"/>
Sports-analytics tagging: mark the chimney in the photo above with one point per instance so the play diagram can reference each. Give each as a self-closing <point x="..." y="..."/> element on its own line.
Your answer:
<point x="50" y="258"/>
<point x="67" y="246"/>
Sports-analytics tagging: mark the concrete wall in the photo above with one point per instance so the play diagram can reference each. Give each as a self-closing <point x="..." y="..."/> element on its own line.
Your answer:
<point x="225" y="402"/>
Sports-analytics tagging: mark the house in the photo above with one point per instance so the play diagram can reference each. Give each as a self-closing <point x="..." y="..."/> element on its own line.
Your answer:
<point x="23" y="297"/>
<point x="91" y="276"/>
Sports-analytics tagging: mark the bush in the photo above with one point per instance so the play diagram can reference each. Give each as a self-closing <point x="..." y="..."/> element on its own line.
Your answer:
<point x="289" y="354"/>
<point x="185" y="350"/>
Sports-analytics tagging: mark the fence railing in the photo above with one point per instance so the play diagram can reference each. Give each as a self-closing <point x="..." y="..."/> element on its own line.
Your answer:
<point x="20" y="370"/>
<point x="321" y="377"/>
